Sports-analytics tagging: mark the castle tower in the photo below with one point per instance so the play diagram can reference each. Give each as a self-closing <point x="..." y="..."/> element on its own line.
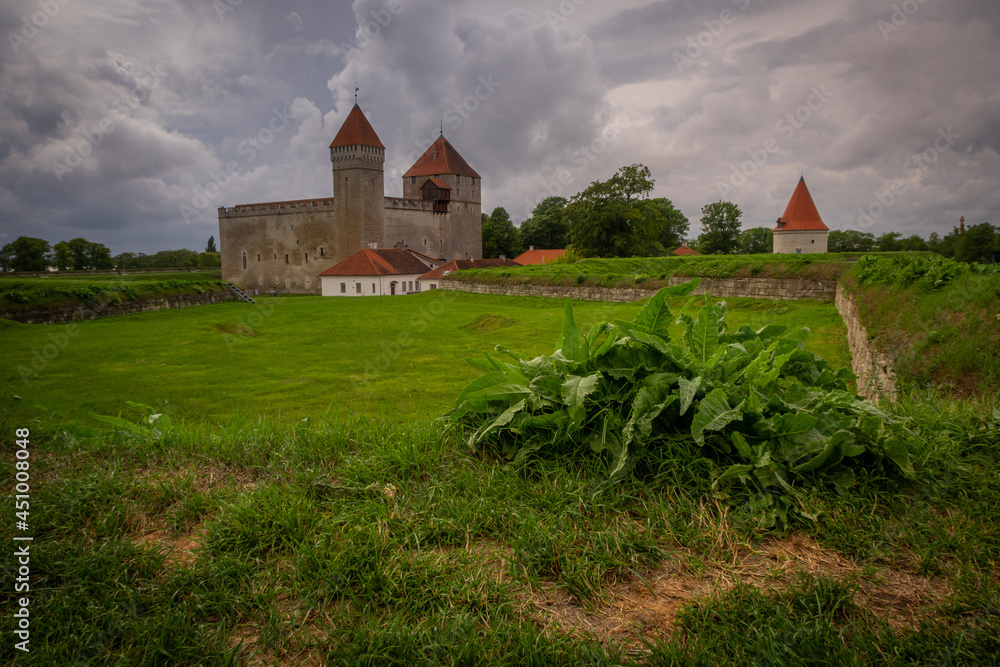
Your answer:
<point x="443" y="176"/>
<point x="442" y="161"/>
<point x="800" y="229"/>
<point x="358" y="158"/>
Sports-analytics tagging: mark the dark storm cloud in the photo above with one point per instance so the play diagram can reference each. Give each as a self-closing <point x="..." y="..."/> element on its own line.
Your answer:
<point x="525" y="90"/>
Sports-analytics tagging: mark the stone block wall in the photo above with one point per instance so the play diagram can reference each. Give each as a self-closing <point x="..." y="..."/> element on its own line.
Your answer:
<point x="876" y="379"/>
<point x="750" y="288"/>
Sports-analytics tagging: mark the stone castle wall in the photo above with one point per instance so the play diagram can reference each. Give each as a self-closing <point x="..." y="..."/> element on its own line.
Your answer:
<point x="751" y="288"/>
<point x="876" y="379"/>
<point x="806" y="242"/>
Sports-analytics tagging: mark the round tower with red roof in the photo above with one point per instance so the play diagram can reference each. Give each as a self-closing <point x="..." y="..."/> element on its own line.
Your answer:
<point x="800" y="228"/>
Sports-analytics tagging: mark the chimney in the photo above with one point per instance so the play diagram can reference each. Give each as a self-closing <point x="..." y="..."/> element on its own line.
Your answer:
<point x="961" y="225"/>
<point x="531" y="248"/>
<point x="503" y="257"/>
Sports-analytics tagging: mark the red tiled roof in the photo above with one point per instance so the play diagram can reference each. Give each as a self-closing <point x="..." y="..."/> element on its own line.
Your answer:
<point x="538" y="257"/>
<point x="438" y="183"/>
<point x="356" y="131"/>
<point x="461" y="264"/>
<point x="441" y="158"/>
<point x="367" y="262"/>
<point x="684" y="251"/>
<point x="800" y="215"/>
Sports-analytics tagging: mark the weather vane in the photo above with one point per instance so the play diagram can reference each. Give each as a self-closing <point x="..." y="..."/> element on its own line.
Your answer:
<point x="356" y="90"/>
<point x="442" y="128"/>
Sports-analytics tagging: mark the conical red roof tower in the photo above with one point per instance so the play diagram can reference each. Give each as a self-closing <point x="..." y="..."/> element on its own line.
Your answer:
<point x="356" y="131"/>
<point x="441" y="158"/>
<point x="800" y="215"/>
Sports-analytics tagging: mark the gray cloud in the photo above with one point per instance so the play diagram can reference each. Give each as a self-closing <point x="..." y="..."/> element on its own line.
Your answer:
<point x="579" y="92"/>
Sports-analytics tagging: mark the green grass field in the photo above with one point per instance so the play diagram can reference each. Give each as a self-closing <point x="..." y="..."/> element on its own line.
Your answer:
<point x="299" y="505"/>
<point x="311" y="356"/>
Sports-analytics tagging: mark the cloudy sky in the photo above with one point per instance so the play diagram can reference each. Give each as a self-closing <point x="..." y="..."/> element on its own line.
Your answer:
<point x="130" y="122"/>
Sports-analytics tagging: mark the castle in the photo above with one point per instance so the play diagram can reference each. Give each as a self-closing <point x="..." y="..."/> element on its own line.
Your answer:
<point x="286" y="245"/>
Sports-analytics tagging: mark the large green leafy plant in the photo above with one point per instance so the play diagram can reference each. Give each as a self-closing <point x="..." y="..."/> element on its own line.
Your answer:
<point x="770" y="416"/>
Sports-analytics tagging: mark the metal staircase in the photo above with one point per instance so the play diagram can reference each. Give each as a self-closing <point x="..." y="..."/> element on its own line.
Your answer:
<point x="238" y="292"/>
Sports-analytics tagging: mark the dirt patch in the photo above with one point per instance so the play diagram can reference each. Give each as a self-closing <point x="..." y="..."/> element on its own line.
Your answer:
<point x="301" y="635"/>
<point x="180" y="549"/>
<point x="649" y="606"/>
<point x="486" y="322"/>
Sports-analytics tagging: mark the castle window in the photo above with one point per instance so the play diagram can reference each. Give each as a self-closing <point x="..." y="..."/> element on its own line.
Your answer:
<point x="413" y="180"/>
<point x="258" y="257"/>
<point x="343" y="288"/>
<point x="373" y="288"/>
<point x="322" y="252"/>
<point x="293" y="229"/>
<point x="307" y="258"/>
<point x="358" y="288"/>
<point x="244" y="261"/>
<point x="286" y="259"/>
<point x="296" y="241"/>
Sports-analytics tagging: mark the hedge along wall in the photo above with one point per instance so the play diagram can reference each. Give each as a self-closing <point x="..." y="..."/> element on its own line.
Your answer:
<point x="876" y="380"/>
<point x="106" y="308"/>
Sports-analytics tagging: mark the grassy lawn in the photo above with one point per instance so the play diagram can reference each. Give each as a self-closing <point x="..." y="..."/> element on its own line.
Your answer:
<point x="310" y="356"/>
<point x="301" y="507"/>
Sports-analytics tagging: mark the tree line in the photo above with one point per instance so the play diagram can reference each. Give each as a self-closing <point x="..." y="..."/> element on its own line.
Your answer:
<point x="617" y="218"/>
<point x="33" y="254"/>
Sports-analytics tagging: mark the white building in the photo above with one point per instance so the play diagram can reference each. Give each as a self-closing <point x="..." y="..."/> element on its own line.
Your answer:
<point x="372" y="272"/>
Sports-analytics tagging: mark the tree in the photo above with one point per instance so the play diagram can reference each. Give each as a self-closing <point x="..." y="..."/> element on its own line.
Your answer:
<point x="547" y="226"/>
<point x="659" y="227"/>
<point x="980" y="243"/>
<point x="850" y="240"/>
<point x="755" y="241"/>
<point x="499" y="235"/>
<point x="28" y="254"/>
<point x="889" y="242"/>
<point x="211" y="245"/>
<point x="82" y="255"/>
<point x="720" y="224"/>
<point x="615" y="218"/>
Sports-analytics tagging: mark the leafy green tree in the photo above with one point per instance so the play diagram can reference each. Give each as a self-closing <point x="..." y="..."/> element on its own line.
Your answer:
<point x="980" y="243"/>
<point x="211" y="245"/>
<point x="6" y="258"/>
<point x="80" y="254"/>
<point x="755" y="241"/>
<point x="615" y="218"/>
<point x="547" y="226"/>
<point x="658" y="228"/>
<point x="209" y="260"/>
<point x="28" y="254"/>
<point x="850" y="240"/>
<point x="889" y="242"/>
<point x="720" y="224"/>
<point x="500" y="237"/>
